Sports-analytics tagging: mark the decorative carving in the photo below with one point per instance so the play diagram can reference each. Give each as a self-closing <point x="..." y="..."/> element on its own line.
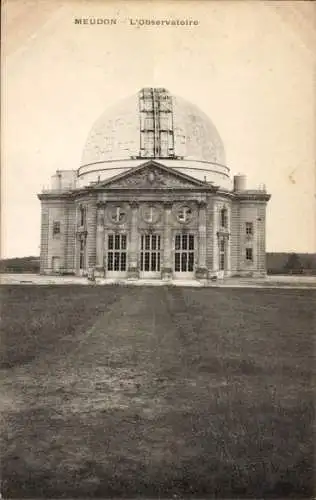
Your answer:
<point x="150" y="213"/>
<point x="184" y="214"/>
<point x="117" y="214"/>
<point x="152" y="178"/>
<point x="134" y="204"/>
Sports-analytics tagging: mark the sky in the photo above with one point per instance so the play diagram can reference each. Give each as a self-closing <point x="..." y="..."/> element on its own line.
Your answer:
<point x="249" y="65"/>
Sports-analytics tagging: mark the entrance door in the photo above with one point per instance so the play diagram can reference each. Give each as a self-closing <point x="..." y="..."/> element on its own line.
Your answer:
<point x="150" y="249"/>
<point x="116" y="266"/>
<point x="184" y="246"/>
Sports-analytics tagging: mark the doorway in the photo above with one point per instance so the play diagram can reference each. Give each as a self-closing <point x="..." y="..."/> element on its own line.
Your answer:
<point x="150" y="255"/>
<point x="184" y="254"/>
<point x="116" y="255"/>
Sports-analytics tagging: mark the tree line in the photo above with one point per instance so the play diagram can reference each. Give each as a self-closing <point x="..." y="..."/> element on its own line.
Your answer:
<point x="277" y="263"/>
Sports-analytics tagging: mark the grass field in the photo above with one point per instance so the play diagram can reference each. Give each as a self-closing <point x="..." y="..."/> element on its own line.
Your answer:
<point x="157" y="392"/>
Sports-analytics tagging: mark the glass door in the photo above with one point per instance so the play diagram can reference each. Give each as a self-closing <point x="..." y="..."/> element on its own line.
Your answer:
<point x="116" y="259"/>
<point x="184" y="253"/>
<point x="150" y="255"/>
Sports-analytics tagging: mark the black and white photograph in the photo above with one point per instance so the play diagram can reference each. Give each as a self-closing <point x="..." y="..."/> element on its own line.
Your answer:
<point x="158" y="249"/>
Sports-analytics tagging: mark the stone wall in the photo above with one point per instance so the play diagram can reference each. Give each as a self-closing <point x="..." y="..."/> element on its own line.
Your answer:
<point x="249" y="211"/>
<point x="57" y="247"/>
<point x="204" y="223"/>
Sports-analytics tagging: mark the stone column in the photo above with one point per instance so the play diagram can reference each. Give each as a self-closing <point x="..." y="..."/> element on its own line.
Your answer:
<point x="133" y="271"/>
<point x="201" y="271"/>
<point x="91" y="221"/>
<point x="77" y="241"/>
<point x="100" y="242"/>
<point x="166" y="270"/>
<point x="215" y="239"/>
<point x="228" y="255"/>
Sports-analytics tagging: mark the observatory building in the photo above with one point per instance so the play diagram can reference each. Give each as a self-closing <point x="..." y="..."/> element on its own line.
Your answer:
<point x="153" y="198"/>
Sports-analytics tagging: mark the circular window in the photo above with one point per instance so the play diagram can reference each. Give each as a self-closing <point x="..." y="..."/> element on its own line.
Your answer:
<point x="184" y="214"/>
<point x="150" y="213"/>
<point x="117" y="214"/>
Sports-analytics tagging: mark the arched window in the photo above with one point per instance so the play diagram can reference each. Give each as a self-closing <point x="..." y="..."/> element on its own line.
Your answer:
<point x="224" y="218"/>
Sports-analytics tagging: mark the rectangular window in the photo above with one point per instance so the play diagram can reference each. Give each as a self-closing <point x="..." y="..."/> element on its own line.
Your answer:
<point x="142" y="260"/>
<point x="191" y="262"/>
<point x="82" y="216"/>
<point x="222" y="262"/>
<point x="150" y="253"/>
<point x="110" y="242"/>
<point x="81" y="261"/>
<point x="184" y="255"/>
<point x="116" y="260"/>
<point x="153" y="242"/>
<point x="123" y="245"/>
<point x="81" y="254"/>
<point x="177" y="242"/>
<point x="153" y="261"/>
<point x="123" y="261"/>
<point x="191" y="242"/>
<point x="222" y="255"/>
<point x="224" y="218"/>
<point x="56" y="228"/>
<point x="110" y="261"/>
<point x="249" y="254"/>
<point x="117" y="241"/>
<point x="147" y="242"/>
<point x="147" y="257"/>
<point x="249" y="228"/>
<point x="184" y="241"/>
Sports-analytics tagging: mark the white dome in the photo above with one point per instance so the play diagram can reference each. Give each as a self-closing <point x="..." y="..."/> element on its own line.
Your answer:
<point x="154" y="124"/>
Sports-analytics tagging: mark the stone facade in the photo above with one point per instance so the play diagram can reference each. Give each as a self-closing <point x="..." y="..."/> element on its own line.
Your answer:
<point x="153" y="221"/>
<point x="153" y="198"/>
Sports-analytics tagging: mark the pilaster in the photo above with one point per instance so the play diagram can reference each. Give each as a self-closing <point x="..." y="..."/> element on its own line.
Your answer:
<point x="100" y="241"/>
<point x="166" y="271"/>
<point x="91" y="236"/>
<point x="215" y="237"/>
<point x="133" y="271"/>
<point x="201" y="271"/>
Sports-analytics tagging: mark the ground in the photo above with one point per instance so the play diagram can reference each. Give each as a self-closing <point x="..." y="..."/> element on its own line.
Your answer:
<point x="156" y="391"/>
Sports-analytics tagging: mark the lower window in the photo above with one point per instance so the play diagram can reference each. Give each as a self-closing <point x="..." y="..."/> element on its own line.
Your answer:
<point x="150" y="253"/>
<point x="184" y="253"/>
<point x="116" y="260"/>
<point x="249" y="254"/>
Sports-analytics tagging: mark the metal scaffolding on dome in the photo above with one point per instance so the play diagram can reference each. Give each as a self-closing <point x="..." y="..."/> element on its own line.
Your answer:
<point x="156" y="124"/>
